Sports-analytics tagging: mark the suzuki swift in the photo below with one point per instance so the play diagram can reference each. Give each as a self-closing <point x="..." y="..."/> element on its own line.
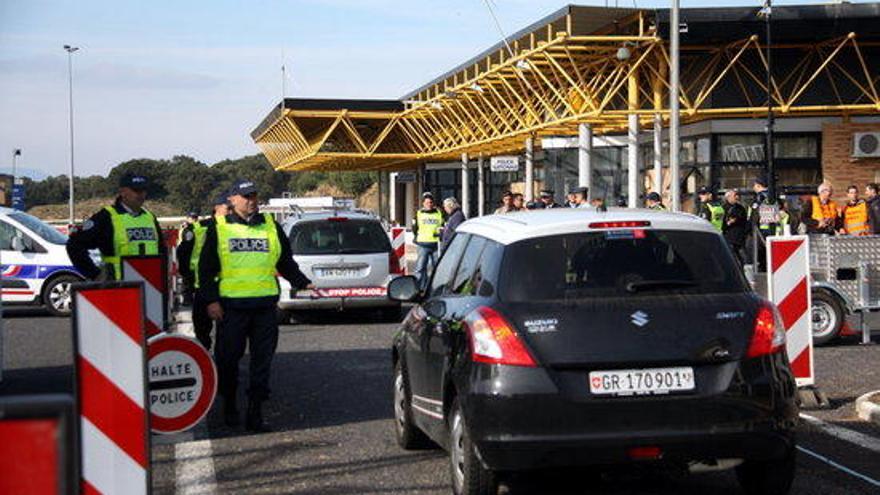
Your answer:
<point x="572" y="337"/>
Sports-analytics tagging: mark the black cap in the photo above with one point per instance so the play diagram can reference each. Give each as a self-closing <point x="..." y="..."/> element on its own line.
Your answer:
<point x="704" y="190"/>
<point x="761" y="181"/>
<point x="427" y="194"/>
<point x="221" y="199"/>
<point x="243" y="188"/>
<point x="547" y="193"/>
<point x="653" y="196"/>
<point x="134" y="181"/>
<point x="193" y="214"/>
<point x="580" y="190"/>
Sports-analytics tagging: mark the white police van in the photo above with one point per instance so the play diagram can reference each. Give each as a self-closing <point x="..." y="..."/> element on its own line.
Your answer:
<point x="34" y="263"/>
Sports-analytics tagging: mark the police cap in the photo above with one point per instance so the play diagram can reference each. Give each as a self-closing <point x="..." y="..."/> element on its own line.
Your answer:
<point x="243" y="188"/>
<point x="134" y="181"/>
<point x="652" y="196"/>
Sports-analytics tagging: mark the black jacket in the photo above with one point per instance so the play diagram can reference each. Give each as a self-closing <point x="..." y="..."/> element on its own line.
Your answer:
<point x="735" y="225"/>
<point x="452" y="223"/>
<point x="97" y="233"/>
<point x="209" y="267"/>
<point x="874" y="215"/>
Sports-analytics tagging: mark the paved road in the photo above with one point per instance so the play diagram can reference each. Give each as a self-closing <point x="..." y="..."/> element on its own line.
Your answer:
<point x="333" y="435"/>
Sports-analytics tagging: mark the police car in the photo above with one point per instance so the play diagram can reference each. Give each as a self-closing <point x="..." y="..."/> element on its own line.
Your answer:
<point x="35" y="266"/>
<point x="568" y="337"/>
<point x="347" y="255"/>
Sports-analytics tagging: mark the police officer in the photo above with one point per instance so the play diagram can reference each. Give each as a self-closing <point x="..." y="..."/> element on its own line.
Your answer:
<point x="654" y="202"/>
<point x="426" y="230"/>
<point x="124" y="228"/>
<point x="242" y="253"/>
<point x="709" y="209"/>
<point x="764" y="219"/>
<point x="188" y="252"/>
<point x="548" y="200"/>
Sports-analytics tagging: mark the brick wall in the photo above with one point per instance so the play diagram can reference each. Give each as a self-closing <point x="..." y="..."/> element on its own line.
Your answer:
<point x="839" y="167"/>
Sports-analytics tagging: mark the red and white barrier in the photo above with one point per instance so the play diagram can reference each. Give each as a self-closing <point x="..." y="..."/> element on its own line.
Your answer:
<point x="398" y="244"/>
<point x="110" y="366"/>
<point x="150" y="270"/>
<point x="789" y="289"/>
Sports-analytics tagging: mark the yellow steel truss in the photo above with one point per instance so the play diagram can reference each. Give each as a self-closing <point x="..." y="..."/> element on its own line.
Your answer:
<point x="554" y="83"/>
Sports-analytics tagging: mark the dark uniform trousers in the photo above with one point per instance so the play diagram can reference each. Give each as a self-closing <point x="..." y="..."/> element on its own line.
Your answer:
<point x="257" y="328"/>
<point x="202" y="323"/>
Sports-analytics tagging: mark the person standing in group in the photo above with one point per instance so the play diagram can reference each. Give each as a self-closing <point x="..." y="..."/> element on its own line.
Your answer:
<point x="764" y="212"/>
<point x="242" y="253"/>
<point x="548" y="200"/>
<point x="735" y="225"/>
<point x="820" y="214"/>
<point x="579" y="197"/>
<point x="854" y="216"/>
<point x="654" y="202"/>
<point x="506" y="204"/>
<point x="426" y="232"/>
<point x="709" y="209"/>
<point x="518" y="202"/>
<point x="454" y="218"/>
<point x="571" y="200"/>
<point x="872" y="199"/>
<point x="124" y="228"/>
<point x="188" y="254"/>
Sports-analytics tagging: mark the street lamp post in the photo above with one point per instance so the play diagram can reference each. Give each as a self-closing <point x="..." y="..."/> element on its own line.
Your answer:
<point x="15" y="154"/>
<point x="674" y="143"/>
<point x="771" y="169"/>
<point x="70" y="49"/>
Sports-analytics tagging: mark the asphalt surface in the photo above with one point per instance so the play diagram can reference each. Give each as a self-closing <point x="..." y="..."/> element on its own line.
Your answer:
<point x="331" y="414"/>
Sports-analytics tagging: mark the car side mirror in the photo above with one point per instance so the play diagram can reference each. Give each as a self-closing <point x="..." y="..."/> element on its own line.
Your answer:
<point x="436" y="309"/>
<point x="18" y="244"/>
<point x="404" y="289"/>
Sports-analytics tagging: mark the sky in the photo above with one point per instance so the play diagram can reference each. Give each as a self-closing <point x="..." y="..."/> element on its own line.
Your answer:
<point x="162" y="78"/>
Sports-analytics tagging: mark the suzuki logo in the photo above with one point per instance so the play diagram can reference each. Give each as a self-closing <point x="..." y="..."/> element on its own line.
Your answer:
<point x="639" y="318"/>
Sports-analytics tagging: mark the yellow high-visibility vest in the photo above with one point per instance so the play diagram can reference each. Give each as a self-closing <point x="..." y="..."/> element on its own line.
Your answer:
<point x="132" y="236"/>
<point x="248" y="256"/>
<point x="429" y="226"/>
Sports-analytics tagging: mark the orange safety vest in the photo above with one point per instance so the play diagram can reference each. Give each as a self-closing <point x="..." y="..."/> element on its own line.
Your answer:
<point x="855" y="219"/>
<point x="828" y="210"/>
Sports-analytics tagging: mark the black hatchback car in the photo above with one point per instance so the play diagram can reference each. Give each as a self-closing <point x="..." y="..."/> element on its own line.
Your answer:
<point x="572" y="337"/>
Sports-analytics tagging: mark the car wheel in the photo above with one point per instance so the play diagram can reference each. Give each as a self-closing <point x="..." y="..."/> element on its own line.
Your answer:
<point x="469" y="477"/>
<point x="828" y="317"/>
<point x="57" y="297"/>
<point x="408" y="435"/>
<point x="772" y="477"/>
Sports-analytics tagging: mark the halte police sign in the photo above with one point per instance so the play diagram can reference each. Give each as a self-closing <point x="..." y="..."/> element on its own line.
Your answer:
<point x="183" y="383"/>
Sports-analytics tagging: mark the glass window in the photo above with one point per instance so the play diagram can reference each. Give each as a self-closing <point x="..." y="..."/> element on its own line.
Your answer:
<point x="470" y="261"/>
<point x="40" y="228"/>
<point x="618" y="264"/>
<point x="740" y="147"/>
<point x="795" y="147"/>
<point x="338" y="237"/>
<point x="7" y="232"/>
<point x="446" y="266"/>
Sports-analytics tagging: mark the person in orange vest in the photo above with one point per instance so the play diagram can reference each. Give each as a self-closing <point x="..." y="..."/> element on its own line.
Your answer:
<point x="855" y="214"/>
<point x="820" y="214"/>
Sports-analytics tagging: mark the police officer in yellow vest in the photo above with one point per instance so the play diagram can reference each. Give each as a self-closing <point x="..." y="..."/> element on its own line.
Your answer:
<point x="124" y="228"/>
<point x="426" y="232"/>
<point x="188" y="251"/>
<point x="242" y="253"/>
<point x="709" y="209"/>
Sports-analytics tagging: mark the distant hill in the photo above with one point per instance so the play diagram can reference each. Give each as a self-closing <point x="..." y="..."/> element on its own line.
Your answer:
<point x="89" y="207"/>
<point x="33" y="173"/>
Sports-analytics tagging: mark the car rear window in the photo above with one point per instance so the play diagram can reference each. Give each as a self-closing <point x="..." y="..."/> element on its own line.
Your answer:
<point x="338" y="237"/>
<point x="618" y="263"/>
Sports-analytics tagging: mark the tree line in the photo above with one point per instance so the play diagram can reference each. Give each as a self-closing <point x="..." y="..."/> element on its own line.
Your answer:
<point x="191" y="185"/>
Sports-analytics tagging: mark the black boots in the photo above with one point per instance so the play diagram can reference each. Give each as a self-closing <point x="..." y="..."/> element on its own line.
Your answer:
<point x="254" y="421"/>
<point x="230" y="412"/>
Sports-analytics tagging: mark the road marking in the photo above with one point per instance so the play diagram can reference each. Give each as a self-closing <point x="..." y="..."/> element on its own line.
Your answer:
<point x="841" y="467"/>
<point x="194" y="467"/>
<point x="851" y="436"/>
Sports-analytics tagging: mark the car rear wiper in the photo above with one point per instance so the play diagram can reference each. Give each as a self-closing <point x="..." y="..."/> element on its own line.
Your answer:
<point x="657" y="284"/>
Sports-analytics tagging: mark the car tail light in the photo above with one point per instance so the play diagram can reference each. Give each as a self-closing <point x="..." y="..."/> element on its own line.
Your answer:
<point x="394" y="266"/>
<point x="494" y="341"/>
<point x="644" y="453"/>
<point x="620" y="225"/>
<point x="769" y="333"/>
<point x="337" y="219"/>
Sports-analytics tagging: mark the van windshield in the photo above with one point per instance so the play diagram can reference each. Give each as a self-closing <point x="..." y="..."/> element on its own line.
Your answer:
<point x="40" y="228"/>
<point x="618" y="263"/>
<point x="339" y="237"/>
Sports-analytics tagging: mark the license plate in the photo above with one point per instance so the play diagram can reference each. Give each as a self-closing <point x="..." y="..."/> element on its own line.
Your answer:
<point x="339" y="272"/>
<point x="642" y="382"/>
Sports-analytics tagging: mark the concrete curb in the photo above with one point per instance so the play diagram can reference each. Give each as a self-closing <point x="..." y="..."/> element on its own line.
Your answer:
<point x="867" y="410"/>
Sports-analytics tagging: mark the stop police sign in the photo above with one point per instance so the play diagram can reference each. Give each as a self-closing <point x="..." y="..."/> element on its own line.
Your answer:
<point x="183" y="382"/>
